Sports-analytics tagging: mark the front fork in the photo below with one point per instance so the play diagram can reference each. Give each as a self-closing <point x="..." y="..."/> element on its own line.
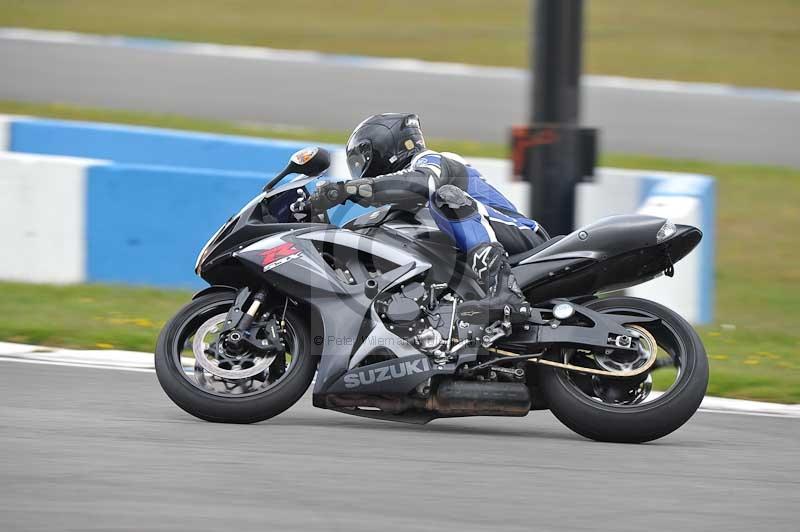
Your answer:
<point x="242" y="334"/>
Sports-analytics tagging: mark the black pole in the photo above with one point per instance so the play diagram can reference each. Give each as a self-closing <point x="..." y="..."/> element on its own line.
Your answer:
<point x="554" y="153"/>
<point x="556" y="61"/>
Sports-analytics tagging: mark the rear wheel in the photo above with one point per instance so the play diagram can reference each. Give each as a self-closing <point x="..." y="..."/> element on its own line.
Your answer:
<point x="242" y="387"/>
<point x="629" y="410"/>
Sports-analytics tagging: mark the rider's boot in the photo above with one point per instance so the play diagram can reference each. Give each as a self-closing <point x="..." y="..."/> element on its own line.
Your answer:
<point x="504" y="299"/>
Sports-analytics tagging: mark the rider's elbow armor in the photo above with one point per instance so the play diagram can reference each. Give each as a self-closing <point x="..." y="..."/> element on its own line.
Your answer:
<point x="359" y="188"/>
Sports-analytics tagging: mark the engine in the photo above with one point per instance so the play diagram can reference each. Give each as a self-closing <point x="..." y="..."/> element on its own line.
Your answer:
<point x="404" y="309"/>
<point x="412" y="312"/>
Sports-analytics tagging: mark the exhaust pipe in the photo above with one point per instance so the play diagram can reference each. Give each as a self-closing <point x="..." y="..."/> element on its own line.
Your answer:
<point x="474" y="398"/>
<point x="451" y="399"/>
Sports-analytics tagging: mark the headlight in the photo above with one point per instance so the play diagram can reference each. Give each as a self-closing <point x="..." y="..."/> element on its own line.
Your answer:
<point x="213" y="240"/>
<point x="200" y="257"/>
<point x="666" y="231"/>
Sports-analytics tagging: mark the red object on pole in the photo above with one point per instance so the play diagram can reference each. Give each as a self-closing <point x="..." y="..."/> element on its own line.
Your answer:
<point x="554" y="153"/>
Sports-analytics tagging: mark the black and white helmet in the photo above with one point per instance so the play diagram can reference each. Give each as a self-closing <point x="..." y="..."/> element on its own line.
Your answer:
<point x="383" y="144"/>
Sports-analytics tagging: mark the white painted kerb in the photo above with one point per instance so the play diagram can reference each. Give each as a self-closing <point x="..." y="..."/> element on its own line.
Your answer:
<point x="137" y="361"/>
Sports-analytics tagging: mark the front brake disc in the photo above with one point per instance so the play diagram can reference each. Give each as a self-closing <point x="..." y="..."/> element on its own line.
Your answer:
<point x="210" y="355"/>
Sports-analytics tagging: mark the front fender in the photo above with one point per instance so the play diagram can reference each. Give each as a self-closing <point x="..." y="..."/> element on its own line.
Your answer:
<point x="214" y="289"/>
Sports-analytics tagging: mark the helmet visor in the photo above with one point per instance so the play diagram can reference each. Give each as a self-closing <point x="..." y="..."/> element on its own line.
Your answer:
<point x="359" y="158"/>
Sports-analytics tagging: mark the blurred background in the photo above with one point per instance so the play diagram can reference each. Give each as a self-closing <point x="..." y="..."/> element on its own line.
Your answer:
<point x="694" y="87"/>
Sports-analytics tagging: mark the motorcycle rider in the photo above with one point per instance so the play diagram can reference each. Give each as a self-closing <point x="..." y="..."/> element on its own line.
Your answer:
<point x="390" y="163"/>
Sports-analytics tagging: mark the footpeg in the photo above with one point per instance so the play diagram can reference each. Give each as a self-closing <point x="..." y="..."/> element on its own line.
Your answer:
<point x="495" y="331"/>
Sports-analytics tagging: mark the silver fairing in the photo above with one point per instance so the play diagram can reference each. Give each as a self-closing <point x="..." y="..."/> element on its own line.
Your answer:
<point x="342" y="306"/>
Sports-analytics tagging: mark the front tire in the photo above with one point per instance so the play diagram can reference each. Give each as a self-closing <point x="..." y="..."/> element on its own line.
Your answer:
<point x="221" y="408"/>
<point x="634" y="423"/>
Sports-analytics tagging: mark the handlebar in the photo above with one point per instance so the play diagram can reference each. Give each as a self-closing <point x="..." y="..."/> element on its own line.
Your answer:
<point x="300" y="205"/>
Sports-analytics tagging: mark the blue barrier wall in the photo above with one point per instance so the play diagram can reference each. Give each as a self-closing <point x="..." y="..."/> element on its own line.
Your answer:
<point x="165" y="194"/>
<point x="147" y="224"/>
<point x="151" y="146"/>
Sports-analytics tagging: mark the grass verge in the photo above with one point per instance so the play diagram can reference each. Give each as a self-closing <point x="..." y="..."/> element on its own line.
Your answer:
<point x="86" y="316"/>
<point x="754" y="347"/>
<point x="729" y="41"/>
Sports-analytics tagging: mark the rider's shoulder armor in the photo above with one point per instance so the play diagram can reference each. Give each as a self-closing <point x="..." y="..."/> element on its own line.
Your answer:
<point x="427" y="160"/>
<point x="444" y="165"/>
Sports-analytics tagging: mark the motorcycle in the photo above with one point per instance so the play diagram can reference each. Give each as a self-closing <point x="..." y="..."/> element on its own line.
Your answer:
<point x="370" y="309"/>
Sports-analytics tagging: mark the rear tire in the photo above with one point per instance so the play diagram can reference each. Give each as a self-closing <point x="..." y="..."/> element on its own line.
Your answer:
<point x="633" y="423"/>
<point x="230" y="409"/>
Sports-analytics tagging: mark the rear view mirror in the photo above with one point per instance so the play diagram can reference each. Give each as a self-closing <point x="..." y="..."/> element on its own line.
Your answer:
<point x="311" y="161"/>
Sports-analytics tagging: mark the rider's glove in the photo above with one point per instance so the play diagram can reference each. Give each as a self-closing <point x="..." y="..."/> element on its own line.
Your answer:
<point x="328" y="195"/>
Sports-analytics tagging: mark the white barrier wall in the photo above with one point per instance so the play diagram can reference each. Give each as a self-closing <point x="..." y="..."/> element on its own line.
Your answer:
<point x="613" y="191"/>
<point x="684" y="291"/>
<point x="42" y="216"/>
<point x="5" y="132"/>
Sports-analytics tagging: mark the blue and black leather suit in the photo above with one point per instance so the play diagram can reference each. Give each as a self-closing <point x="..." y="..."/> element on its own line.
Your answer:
<point x="461" y="202"/>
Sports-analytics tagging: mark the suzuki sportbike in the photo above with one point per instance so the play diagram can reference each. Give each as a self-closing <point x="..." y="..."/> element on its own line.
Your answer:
<point x="369" y="308"/>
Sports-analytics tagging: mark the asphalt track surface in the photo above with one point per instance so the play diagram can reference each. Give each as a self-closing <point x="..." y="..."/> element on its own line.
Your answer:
<point x="93" y="449"/>
<point x="475" y="104"/>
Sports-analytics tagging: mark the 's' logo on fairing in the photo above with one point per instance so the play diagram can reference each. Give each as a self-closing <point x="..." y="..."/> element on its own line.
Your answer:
<point x="274" y="257"/>
<point x="395" y="371"/>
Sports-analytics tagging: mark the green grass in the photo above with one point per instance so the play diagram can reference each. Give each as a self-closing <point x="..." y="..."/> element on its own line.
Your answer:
<point x="754" y="347"/>
<point x="86" y="316"/>
<point x="730" y="41"/>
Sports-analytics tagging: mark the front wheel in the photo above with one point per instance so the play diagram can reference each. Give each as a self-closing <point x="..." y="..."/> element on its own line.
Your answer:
<point x="241" y="387"/>
<point x="624" y="410"/>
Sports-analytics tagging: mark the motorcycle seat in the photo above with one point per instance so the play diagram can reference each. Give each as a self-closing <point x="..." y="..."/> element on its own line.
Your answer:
<point x="519" y="257"/>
